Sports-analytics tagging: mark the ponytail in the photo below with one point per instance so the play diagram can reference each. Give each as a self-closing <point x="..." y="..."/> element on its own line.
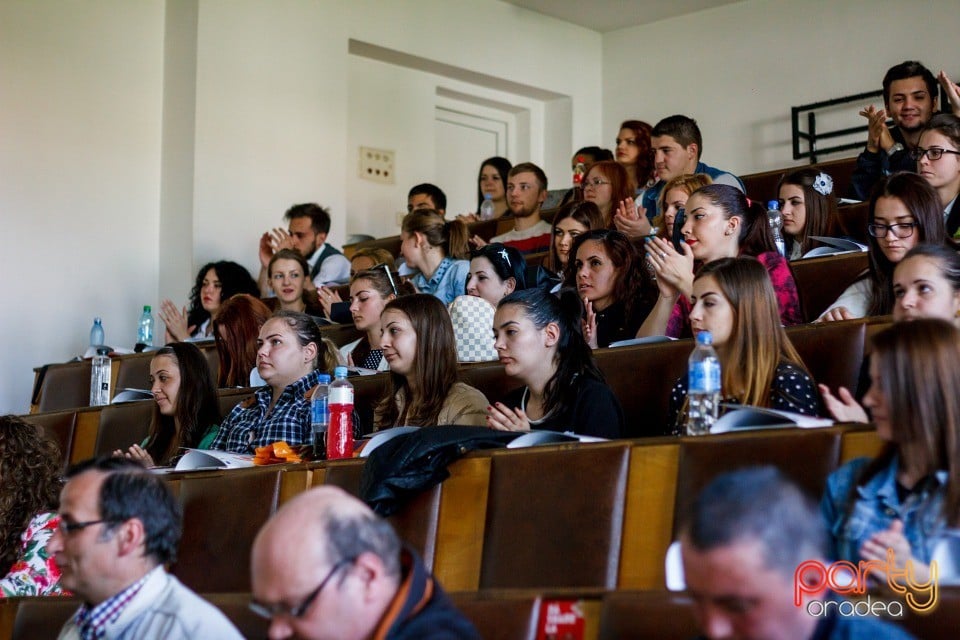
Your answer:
<point x="451" y="236"/>
<point x="755" y="236"/>
<point x="574" y="357"/>
<point x="458" y="236"/>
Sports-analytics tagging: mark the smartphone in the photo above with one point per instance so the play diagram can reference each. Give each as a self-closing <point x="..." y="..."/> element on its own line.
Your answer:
<point x="678" y="229"/>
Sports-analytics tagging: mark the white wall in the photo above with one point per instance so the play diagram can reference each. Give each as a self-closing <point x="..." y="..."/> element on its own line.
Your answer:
<point x="739" y="68"/>
<point x="110" y="150"/>
<point x="80" y="112"/>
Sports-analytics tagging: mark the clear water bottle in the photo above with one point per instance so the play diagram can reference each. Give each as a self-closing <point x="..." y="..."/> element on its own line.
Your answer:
<point x="776" y="226"/>
<point x="340" y="434"/>
<point x="145" y="329"/>
<point x="96" y="333"/>
<point x="487" y="210"/>
<point x="100" y="378"/>
<point x="320" y="416"/>
<point x="703" y="386"/>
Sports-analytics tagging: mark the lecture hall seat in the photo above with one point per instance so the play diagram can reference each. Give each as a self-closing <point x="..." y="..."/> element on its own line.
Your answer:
<point x="555" y="517"/>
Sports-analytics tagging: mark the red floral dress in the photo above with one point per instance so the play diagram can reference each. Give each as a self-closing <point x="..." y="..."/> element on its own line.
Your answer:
<point x="34" y="573"/>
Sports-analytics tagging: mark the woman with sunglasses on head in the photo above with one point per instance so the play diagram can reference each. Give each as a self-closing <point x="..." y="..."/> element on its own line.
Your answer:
<point x="370" y="291"/>
<point x="904" y="212"/>
<point x="720" y="223"/>
<point x="938" y="162"/>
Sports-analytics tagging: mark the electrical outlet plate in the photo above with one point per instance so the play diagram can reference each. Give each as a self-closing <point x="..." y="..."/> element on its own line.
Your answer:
<point x="377" y="165"/>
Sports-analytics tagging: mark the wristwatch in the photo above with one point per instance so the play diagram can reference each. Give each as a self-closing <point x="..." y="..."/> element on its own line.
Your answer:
<point x="896" y="148"/>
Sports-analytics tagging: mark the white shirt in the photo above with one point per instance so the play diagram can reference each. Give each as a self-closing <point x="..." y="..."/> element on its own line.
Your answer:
<point x="334" y="270"/>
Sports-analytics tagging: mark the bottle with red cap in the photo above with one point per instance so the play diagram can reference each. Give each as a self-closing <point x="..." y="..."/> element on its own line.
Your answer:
<point x="340" y="403"/>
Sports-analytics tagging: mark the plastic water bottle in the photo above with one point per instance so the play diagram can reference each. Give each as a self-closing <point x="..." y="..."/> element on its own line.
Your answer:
<point x="320" y="416"/>
<point x="96" y="333"/>
<point x="100" y="378"/>
<point x="145" y="330"/>
<point x="487" y="210"/>
<point x="340" y="434"/>
<point x="703" y="386"/>
<point x="776" y="225"/>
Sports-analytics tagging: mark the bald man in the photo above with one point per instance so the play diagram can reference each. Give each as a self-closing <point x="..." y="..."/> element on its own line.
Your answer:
<point x="326" y="566"/>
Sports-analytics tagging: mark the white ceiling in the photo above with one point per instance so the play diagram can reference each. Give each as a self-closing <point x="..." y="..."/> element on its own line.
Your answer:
<point x="610" y="15"/>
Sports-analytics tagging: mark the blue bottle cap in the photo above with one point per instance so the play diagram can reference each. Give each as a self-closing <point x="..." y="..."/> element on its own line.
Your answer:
<point x="340" y="372"/>
<point x="323" y="378"/>
<point x="705" y="337"/>
<point x="773" y="204"/>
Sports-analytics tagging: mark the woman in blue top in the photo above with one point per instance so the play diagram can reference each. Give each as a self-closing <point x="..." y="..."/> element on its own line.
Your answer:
<point x="438" y="250"/>
<point x="906" y="499"/>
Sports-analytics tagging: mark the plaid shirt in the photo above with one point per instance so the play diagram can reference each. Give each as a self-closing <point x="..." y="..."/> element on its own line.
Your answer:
<point x="249" y="426"/>
<point x="92" y="623"/>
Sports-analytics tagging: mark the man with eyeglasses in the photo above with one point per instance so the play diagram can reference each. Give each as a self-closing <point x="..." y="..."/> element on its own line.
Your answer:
<point x="910" y="100"/>
<point x="326" y="566"/>
<point x="526" y="192"/>
<point x="119" y="526"/>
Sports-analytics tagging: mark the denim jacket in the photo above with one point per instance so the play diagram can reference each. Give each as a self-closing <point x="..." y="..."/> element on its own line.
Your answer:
<point x="876" y="506"/>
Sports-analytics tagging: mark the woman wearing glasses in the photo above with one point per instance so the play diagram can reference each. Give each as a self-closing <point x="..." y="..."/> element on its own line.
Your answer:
<point x="904" y="212"/>
<point x="370" y="291"/>
<point x="606" y="184"/>
<point x="938" y="161"/>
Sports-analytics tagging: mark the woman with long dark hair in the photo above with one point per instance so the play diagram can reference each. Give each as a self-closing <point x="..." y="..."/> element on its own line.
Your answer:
<point x="216" y="283"/>
<point x="720" y="223"/>
<point x="425" y="389"/>
<point x="573" y="219"/>
<point x="186" y="412"/>
<point x="613" y="284"/>
<point x="904" y="212"/>
<point x="539" y="342"/>
<point x="808" y="209"/>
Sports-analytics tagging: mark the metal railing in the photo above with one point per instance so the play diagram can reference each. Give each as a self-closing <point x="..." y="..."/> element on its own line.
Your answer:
<point x="813" y="137"/>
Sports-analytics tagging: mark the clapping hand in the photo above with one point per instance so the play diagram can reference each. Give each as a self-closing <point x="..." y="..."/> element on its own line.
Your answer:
<point x="629" y="222"/>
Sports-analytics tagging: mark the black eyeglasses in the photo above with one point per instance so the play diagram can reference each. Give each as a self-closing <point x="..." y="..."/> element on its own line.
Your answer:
<point x="934" y="153"/>
<point x="901" y="230"/>
<point x="66" y="528"/>
<point x="269" y="611"/>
